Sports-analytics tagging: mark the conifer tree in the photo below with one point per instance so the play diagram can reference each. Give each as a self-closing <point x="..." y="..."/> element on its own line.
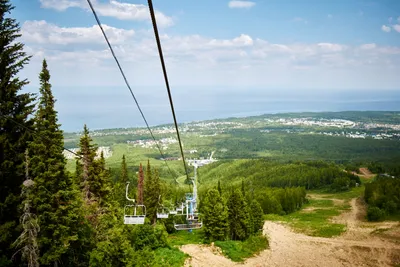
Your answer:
<point x="101" y="187"/>
<point x="124" y="171"/>
<point x="256" y="216"/>
<point x="152" y="192"/>
<point x="215" y="214"/>
<point x="88" y="153"/>
<point x="56" y="198"/>
<point x="27" y="241"/>
<point x="240" y="225"/>
<point x="15" y="107"/>
<point x="140" y="184"/>
<point x="219" y="187"/>
<point x="120" y="185"/>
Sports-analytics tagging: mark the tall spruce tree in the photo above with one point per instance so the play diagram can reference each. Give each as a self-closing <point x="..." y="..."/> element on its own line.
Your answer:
<point x="120" y="185"/>
<point x="15" y="107"/>
<point x="27" y="241"/>
<point x="124" y="171"/>
<point x="101" y="187"/>
<point x="87" y="166"/>
<point x="56" y="199"/>
<point x="239" y="218"/>
<point x="140" y="184"/>
<point x="215" y="216"/>
<point x="152" y="192"/>
<point x="256" y="216"/>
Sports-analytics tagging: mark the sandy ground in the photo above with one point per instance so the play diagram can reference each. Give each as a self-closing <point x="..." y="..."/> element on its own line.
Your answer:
<point x="358" y="246"/>
<point x="364" y="173"/>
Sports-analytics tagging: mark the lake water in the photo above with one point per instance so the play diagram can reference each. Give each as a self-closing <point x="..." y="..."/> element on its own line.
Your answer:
<point x="112" y="108"/>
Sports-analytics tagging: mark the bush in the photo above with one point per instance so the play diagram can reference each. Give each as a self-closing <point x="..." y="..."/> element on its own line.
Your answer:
<point x="375" y="214"/>
<point x="240" y="250"/>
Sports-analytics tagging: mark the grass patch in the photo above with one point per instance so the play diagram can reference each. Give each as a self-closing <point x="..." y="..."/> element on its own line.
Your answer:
<point x="169" y="257"/>
<point x="320" y="203"/>
<point x="346" y="195"/>
<point x="180" y="238"/>
<point x="240" y="250"/>
<point x="317" y="220"/>
<point x="315" y="223"/>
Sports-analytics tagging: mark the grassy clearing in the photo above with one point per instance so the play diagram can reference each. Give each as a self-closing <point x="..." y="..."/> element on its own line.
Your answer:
<point x="346" y="195"/>
<point x="235" y="250"/>
<point x="323" y="203"/>
<point x="169" y="257"/>
<point x="315" y="217"/>
<point x="184" y="237"/>
<point x="314" y="223"/>
<point x="240" y="250"/>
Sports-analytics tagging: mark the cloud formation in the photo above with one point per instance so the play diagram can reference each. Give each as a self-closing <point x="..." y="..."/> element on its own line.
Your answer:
<point x="194" y="59"/>
<point x="385" y="28"/>
<point x="114" y="9"/>
<point x="41" y="32"/>
<point x="241" y="4"/>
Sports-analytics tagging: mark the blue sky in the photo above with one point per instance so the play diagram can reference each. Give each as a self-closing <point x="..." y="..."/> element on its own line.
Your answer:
<point x="219" y="46"/>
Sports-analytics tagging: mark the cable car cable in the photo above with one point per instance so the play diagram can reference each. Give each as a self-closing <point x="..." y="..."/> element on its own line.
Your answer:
<point x="154" y="22"/>
<point x="127" y="84"/>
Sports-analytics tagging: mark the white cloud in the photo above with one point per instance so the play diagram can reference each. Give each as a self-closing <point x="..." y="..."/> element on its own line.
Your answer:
<point x="396" y="27"/>
<point x="193" y="59"/>
<point x="368" y="46"/>
<point x="41" y="32"/>
<point x="61" y="5"/>
<point x="329" y="47"/>
<point x="241" y="4"/>
<point x="115" y="9"/>
<point x="385" y="28"/>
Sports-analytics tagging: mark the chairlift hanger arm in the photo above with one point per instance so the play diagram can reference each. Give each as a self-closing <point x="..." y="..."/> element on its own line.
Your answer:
<point x="126" y="193"/>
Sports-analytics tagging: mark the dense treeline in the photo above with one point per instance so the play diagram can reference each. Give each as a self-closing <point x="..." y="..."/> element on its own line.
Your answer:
<point x="281" y="200"/>
<point x="264" y="173"/>
<point x="233" y="213"/>
<point x="382" y="197"/>
<point x="230" y="216"/>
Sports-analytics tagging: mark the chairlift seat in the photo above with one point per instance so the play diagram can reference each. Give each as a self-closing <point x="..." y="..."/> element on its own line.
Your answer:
<point x="132" y="219"/>
<point x="136" y="217"/>
<point x="162" y="215"/>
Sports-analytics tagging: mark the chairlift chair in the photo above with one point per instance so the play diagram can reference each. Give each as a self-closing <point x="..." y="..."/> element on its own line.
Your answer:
<point x="162" y="213"/>
<point x="133" y="213"/>
<point x="173" y="212"/>
<point x="192" y="220"/>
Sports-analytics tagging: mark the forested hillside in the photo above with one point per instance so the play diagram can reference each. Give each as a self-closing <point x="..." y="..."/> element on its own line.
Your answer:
<point x="260" y="173"/>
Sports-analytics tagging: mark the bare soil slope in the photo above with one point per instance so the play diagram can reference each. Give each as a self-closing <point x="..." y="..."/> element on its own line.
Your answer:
<point x="359" y="246"/>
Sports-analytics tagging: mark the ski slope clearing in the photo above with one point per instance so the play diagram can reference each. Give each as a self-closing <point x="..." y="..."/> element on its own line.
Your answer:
<point x="361" y="245"/>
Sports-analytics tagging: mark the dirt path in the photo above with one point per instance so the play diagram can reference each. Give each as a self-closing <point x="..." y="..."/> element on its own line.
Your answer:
<point x="357" y="247"/>
<point x="365" y="173"/>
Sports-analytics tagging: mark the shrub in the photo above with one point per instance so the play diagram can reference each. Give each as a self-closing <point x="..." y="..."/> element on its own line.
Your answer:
<point x="375" y="214"/>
